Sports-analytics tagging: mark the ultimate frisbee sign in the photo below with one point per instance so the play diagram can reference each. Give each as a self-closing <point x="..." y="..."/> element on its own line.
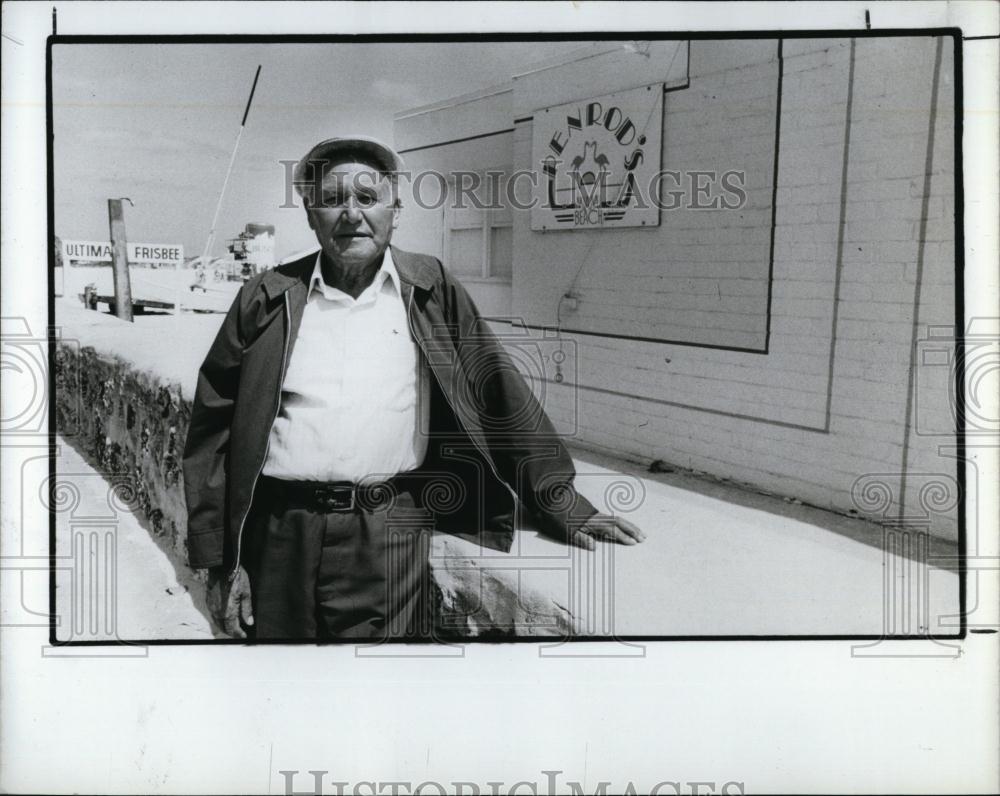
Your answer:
<point x="597" y="159"/>
<point x="89" y="251"/>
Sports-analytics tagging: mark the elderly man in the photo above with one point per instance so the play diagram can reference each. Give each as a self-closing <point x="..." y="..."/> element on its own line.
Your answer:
<point x="352" y="402"/>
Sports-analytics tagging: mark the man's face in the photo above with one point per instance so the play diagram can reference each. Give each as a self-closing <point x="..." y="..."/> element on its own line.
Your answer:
<point x="355" y="214"/>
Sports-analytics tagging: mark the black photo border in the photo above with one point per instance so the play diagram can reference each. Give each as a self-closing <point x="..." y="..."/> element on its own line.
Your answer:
<point x="960" y="320"/>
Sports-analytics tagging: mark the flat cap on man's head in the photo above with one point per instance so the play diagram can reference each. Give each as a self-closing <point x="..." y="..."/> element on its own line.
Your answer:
<point x="359" y="148"/>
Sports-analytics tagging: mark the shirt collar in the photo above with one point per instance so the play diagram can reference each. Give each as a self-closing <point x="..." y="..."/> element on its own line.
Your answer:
<point x="386" y="274"/>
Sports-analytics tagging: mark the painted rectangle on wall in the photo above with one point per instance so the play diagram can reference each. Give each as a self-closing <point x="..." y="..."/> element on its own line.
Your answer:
<point x="595" y="160"/>
<point x="701" y="276"/>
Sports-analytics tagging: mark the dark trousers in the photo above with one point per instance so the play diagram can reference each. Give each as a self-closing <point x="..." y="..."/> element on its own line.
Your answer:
<point x="362" y="574"/>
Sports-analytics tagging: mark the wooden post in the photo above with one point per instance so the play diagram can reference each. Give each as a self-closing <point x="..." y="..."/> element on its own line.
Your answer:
<point x="119" y="260"/>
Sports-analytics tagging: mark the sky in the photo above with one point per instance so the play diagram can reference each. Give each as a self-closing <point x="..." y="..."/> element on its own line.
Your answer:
<point x="157" y="122"/>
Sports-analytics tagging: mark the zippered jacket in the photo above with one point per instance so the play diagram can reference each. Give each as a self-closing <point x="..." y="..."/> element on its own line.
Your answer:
<point x="494" y="460"/>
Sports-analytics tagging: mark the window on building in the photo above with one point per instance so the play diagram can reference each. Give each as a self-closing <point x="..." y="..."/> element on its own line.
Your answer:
<point x="479" y="241"/>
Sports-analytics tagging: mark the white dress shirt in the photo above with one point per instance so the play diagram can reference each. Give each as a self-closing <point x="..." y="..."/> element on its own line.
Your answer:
<point x="355" y="399"/>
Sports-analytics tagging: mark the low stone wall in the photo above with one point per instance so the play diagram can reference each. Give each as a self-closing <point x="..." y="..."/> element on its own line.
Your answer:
<point x="132" y="427"/>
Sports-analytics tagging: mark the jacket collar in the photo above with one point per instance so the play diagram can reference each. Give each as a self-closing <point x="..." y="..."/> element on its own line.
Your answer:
<point x="411" y="269"/>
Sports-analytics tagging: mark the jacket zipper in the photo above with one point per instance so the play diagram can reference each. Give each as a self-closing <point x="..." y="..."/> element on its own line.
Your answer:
<point x="267" y="448"/>
<point x="444" y="392"/>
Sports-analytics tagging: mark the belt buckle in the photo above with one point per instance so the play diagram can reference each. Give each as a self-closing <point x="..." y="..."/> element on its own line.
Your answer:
<point x="329" y="499"/>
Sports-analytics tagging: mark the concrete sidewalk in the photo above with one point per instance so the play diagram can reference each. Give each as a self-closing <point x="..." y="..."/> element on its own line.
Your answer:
<point x="719" y="560"/>
<point x="153" y="595"/>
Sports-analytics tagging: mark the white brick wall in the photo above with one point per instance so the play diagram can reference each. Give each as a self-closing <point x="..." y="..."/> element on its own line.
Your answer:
<point x="668" y="414"/>
<point x="789" y="421"/>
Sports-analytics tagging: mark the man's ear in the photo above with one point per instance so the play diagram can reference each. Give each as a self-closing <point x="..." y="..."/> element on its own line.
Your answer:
<point x="395" y="215"/>
<point x="309" y="218"/>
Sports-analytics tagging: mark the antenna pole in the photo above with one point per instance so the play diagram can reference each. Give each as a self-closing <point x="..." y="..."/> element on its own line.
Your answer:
<point x="225" y="182"/>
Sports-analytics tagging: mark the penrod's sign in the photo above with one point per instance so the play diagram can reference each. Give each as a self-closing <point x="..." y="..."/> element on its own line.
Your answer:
<point x="597" y="159"/>
<point x="89" y="251"/>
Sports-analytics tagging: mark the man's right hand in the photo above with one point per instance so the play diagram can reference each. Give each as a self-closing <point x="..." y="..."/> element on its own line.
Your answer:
<point x="229" y="600"/>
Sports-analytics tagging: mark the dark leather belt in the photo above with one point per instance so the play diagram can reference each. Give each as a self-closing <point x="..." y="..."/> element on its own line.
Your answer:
<point x="338" y="496"/>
